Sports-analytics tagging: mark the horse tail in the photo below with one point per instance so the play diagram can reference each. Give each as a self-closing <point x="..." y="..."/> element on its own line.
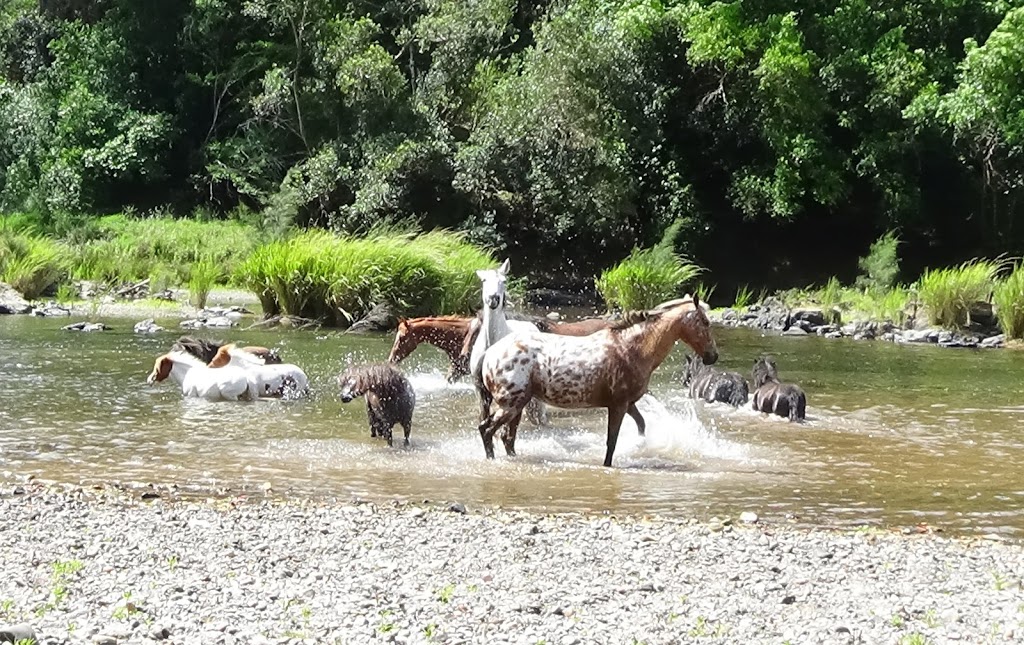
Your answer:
<point x="797" y="405"/>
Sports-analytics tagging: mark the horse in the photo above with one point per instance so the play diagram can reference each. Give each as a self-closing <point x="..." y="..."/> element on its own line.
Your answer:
<point x="494" y="326"/>
<point x="774" y="397"/>
<point x="711" y="384"/>
<point x="447" y="333"/>
<point x="276" y="380"/>
<point x="205" y="349"/>
<point x="199" y="380"/>
<point x="390" y="398"/>
<point x="607" y="369"/>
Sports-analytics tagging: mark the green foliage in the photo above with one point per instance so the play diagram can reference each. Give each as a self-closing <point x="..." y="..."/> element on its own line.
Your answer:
<point x="131" y="249"/>
<point x="1008" y="297"/>
<point x="30" y="263"/>
<point x="881" y="266"/>
<point x="202" y="276"/>
<point x="948" y="293"/>
<point x="338" y="278"/>
<point x="744" y="297"/>
<point x="648" y="276"/>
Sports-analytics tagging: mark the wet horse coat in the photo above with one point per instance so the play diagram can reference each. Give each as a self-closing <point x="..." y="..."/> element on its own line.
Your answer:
<point x="607" y="369"/>
<point x="706" y="382"/>
<point x="772" y="396"/>
<point x="389" y="396"/>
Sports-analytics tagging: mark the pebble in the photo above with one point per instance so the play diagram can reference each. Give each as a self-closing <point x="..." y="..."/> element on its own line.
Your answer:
<point x="262" y="571"/>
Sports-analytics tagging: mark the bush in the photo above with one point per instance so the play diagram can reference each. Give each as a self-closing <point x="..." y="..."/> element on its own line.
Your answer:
<point x="881" y="266"/>
<point x="648" y="276"/>
<point x="338" y="278"/>
<point x="1008" y="297"/>
<point x="948" y="293"/>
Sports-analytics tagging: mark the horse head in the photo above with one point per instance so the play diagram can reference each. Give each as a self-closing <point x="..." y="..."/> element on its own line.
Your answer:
<point x="404" y="342"/>
<point x="493" y="292"/>
<point x="694" y="327"/>
<point x="764" y="371"/>
<point x="161" y="369"/>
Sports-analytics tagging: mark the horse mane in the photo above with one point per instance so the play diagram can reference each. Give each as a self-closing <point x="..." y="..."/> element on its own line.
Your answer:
<point x="201" y="348"/>
<point x="381" y="378"/>
<point x="181" y="356"/>
<point x="635" y="317"/>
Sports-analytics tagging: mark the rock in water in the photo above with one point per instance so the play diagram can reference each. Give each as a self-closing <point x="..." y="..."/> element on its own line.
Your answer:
<point x="147" y="326"/>
<point x="381" y="318"/>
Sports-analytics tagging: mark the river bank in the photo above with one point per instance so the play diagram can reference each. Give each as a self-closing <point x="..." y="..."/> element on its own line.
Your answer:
<point x="100" y="566"/>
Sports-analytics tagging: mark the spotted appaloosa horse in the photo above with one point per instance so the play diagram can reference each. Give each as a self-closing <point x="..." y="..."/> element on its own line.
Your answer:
<point x="607" y="369"/>
<point x="447" y="333"/>
<point x="494" y="327"/>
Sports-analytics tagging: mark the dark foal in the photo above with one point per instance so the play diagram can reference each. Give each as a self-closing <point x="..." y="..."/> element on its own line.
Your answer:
<point x="712" y="384"/>
<point x="773" y="397"/>
<point x="389" y="397"/>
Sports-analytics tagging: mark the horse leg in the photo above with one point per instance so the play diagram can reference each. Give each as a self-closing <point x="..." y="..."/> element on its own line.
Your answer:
<point x="487" y="436"/>
<point x="508" y="435"/>
<point x="407" y="427"/>
<point x="387" y="434"/>
<point x="615" y="416"/>
<point x="641" y="425"/>
<point x="537" y="412"/>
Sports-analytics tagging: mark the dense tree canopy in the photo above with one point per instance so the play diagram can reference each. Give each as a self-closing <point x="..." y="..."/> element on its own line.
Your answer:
<point x="784" y="136"/>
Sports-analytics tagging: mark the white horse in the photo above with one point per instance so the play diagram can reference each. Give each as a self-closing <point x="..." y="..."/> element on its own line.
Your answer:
<point x="274" y="380"/>
<point x="198" y="380"/>
<point x="493" y="328"/>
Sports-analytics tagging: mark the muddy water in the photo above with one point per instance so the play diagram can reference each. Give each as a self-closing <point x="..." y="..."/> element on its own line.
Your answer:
<point x="896" y="436"/>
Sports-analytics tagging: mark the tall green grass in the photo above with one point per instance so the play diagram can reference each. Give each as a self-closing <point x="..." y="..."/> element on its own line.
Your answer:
<point x="202" y="276"/>
<point x="30" y="263"/>
<point x="338" y="278"/>
<point x="645" y="278"/>
<point x="947" y="294"/>
<point x="127" y="249"/>
<point x="1008" y="297"/>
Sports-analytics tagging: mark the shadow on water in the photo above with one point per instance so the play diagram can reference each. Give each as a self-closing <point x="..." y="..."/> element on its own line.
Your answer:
<point x="895" y="435"/>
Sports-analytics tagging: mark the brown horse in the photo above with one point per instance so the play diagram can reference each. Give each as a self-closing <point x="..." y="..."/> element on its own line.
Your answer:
<point x="783" y="399"/>
<point x="607" y="369"/>
<point x="447" y="333"/>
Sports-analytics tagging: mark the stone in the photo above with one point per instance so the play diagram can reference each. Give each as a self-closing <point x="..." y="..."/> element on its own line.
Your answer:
<point x="147" y="326"/>
<point x="381" y="318"/>
<point x="86" y="326"/>
<point x="12" y="302"/>
<point x="748" y="517"/>
<point x="17" y="633"/>
<point x="456" y="507"/>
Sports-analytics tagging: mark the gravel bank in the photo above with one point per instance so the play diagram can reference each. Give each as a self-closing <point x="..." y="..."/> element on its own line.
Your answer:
<point x="103" y="567"/>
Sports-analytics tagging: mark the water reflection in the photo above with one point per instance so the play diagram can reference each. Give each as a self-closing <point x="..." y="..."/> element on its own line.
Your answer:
<point x="894" y="434"/>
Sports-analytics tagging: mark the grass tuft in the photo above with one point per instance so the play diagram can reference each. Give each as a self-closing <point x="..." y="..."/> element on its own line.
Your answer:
<point x="1008" y="297"/>
<point x="648" y="276"/>
<point x="949" y="293"/>
<point x="338" y="278"/>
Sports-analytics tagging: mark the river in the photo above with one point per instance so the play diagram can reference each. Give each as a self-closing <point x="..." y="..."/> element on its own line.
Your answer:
<point x="896" y="435"/>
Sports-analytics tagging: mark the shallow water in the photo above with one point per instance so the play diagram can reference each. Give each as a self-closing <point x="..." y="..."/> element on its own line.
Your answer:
<point x="896" y="435"/>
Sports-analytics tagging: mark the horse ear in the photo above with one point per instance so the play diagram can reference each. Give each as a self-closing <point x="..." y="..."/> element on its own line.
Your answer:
<point x="481" y="273"/>
<point x="503" y="270"/>
<point x="696" y="301"/>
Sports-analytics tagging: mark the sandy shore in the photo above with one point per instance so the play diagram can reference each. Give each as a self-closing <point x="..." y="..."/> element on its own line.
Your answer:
<point x="85" y="566"/>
